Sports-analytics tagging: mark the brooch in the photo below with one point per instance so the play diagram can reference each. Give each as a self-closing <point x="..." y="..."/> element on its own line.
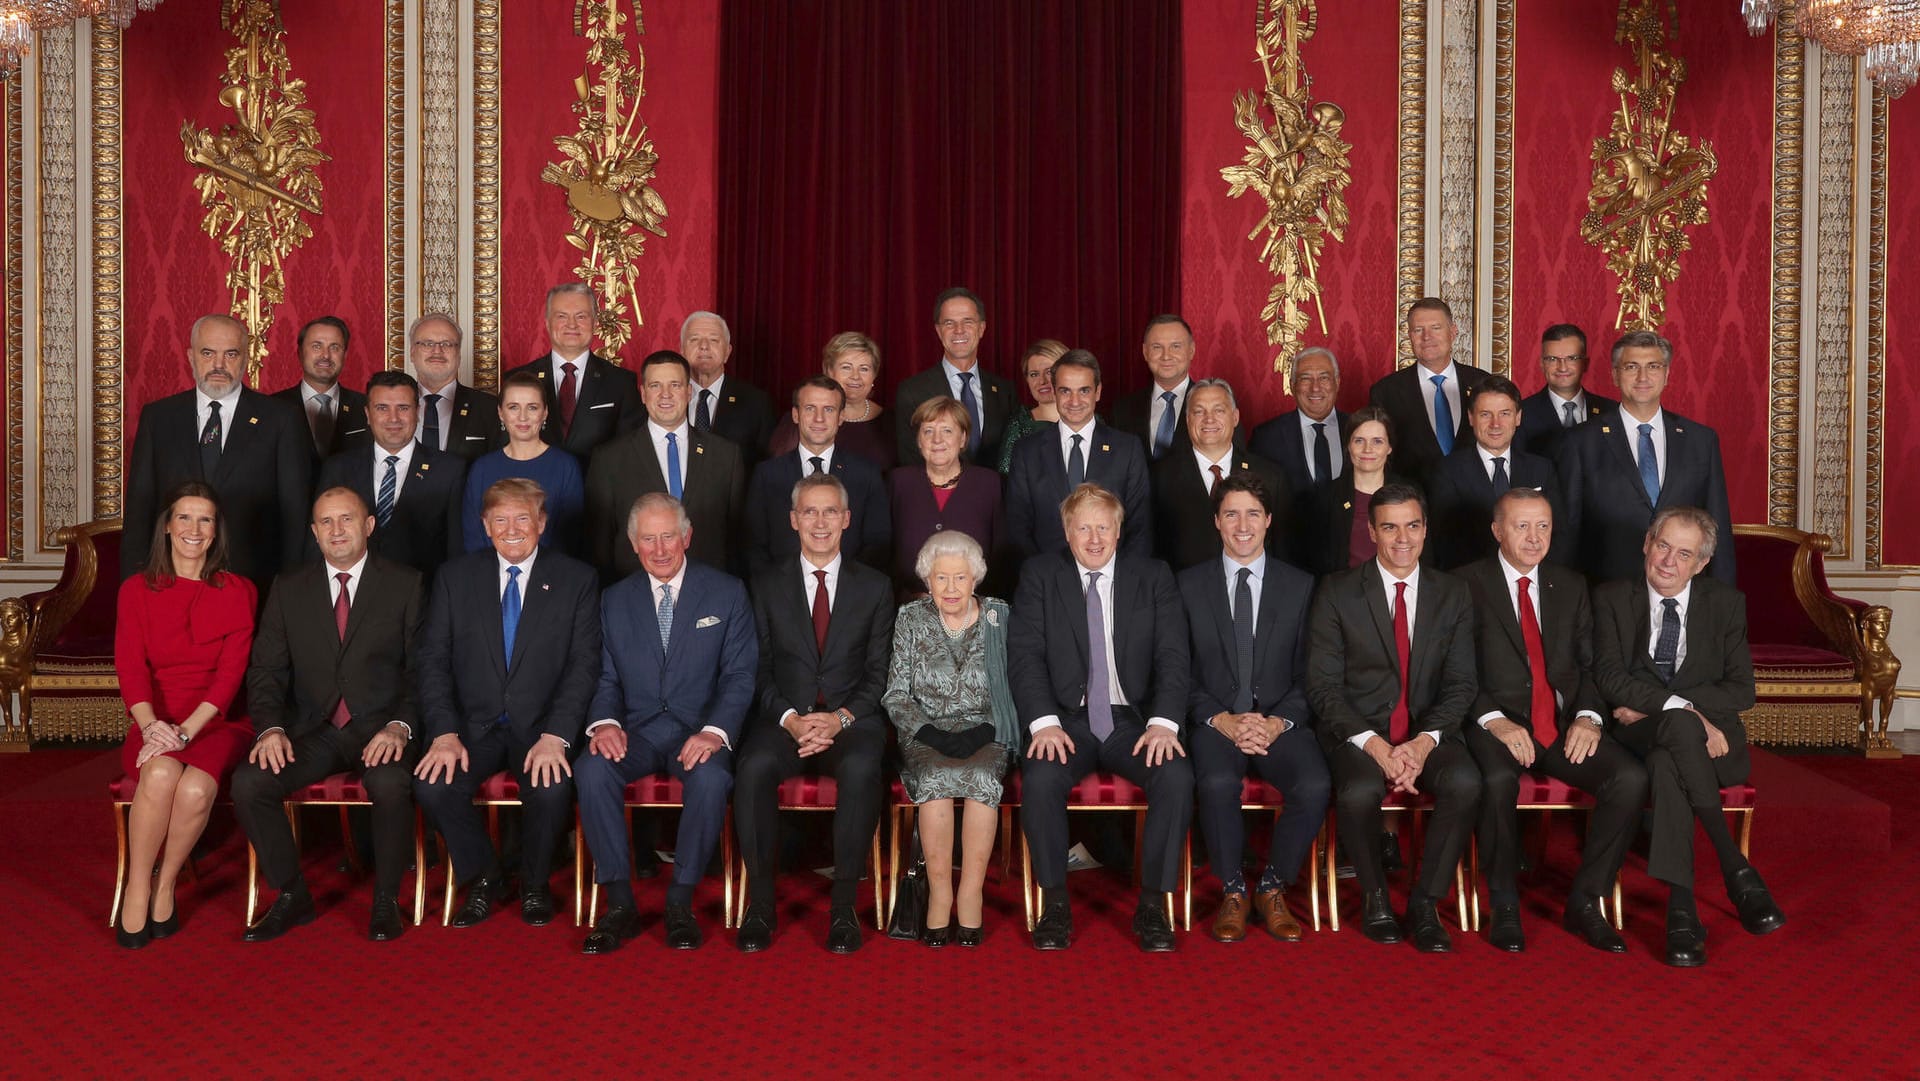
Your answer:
<point x="993" y="617"/>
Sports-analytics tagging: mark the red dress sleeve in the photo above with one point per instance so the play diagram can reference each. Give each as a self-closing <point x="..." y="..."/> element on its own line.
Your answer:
<point x="130" y="643"/>
<point x="233" y="621"/>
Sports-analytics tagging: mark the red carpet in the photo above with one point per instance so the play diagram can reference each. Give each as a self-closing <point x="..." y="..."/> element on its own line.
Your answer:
<point x="1826" y="997"/>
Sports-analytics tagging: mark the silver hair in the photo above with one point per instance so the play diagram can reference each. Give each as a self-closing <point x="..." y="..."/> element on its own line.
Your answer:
<point x="818" y="480"/>
<point x="725" y="333"/>
<point x="1214" y="383"/>
<point x="1643" y="339"/>
<point x="950" y="542"/>
<point x="658" y="501"/>
<point x="1317" y="351"/>
<point x="1693" y="516"/>
<point x="574" y="289"/>
<point x="435" y="317"/>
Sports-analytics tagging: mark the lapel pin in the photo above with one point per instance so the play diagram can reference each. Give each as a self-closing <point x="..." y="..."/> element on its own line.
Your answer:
<point x="699" y="450"/>
<point x="1604" y="430"/>
<point x="542" y="373"/>
<point x="544" y="587"/>
<point x="463" y="410"/>
<point x="1244" y="465"/>
<point x="424" y="466"/>
<point x="1346" y="506"/>
<point x="730" y="399"/>
<point x="1103" y="448"/>
<point x="253" y="420"/>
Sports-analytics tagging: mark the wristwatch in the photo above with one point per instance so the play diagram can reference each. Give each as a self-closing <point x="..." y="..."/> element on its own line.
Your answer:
<point x="846" y="718"/>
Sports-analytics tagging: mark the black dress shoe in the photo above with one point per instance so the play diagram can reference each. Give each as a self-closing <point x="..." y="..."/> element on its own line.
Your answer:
<point x="1758" y="914"/>
<point x="1505" y="934"/>
<point x="615" y="926"/>
<point x="683" y="931"/>
<point x="1150" y="927"/>
<point x="1586" y="920"/>
<point x="166" y="928"/>
<point x="843" y="930"/>
<point x="386" y="924"/>
<point x="1423" y="925"/>
<point x="937" y="937"/>
<point x="1686" y="944"/>
<point x="756" y="929"/>
<point x="536" y="906"/>
<point x="1390" y="861"/>
<point x="966" y="936"/>
<point x="1376" y="918"/>
<point x="132" y="940"/>
<point x="485" y="892"/>
<point x="1054" y="931"/>
<point x="289" y="911"/>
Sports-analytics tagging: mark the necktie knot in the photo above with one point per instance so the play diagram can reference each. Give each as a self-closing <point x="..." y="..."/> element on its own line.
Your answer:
<point x="1567" y="410"/>
<point x="343" y="577"/>
<point x="1437" y="380"/>
<point x="1670" y="604"/>
<point x="569" y="368"/>
<point x="1523" y="583"/>
<point x="1245" y="574"/>
<point x="819" y="466"/>
<point x="433" y="401"/>
<point x="1167" y="396"/>
<point x="513" y="576"/>
<point x="393" y="459"/>
<point x="1499" y="460"/>
<point x="821" y="577"/>
<point x="324" y="401"/>
<point x="1093" y="580"/>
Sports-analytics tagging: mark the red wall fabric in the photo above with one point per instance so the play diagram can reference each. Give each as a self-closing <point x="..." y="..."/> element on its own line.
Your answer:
<point x="1900" y="544"/>
<point x="1717" y="313"/>
<point x="174" y="273"/>
<point x="1354" y="61"/>
<point x="540" y="58"/>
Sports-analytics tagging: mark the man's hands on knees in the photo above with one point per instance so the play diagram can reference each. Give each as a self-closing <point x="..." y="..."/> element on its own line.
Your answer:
<point x="272" y="751"/>
<point x="1161" y="744"/>
<point x="609" y="741"/>
<point x="444" y="753"/>
<point x="1517" y="740"/>
<point x="547" y="761"/>
<point x="698" y="748"/>
<point x="387" y="745"/>
<point x="1052" y="744"/>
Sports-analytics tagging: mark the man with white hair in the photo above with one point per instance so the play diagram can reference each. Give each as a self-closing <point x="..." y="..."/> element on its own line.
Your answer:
<point x="454" y="417"/>
<point x="590" y="399"/>
<point x="724" y="405"/>
<point x="1308" y="445"/>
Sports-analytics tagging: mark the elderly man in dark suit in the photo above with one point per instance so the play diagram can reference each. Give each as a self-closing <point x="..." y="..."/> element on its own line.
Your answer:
<point x="817" y="405"/>
<point x="414" y="490"/>
<point x="679" y="653"/>
<point x="508" y="662"/>
<point x="826" y="635"/>
<point x="461" y="420"/>
<point x="1670" y="654"/>
<point x="1097" y="659"/>
<point x="1546" y="418"/>
<point x="1308" y="444"/>
<point x="336" y="415"/>
<point x="1156" y="414"/>
<point x="1538" y="709"/>
<point x="723" y="404"/>
<point x="1247" y="622"/>
<point x="590" y="399"/>
<point x="702" y="471"/>
<point x="961" y="324"/>
<point x="1184" y="483"/>
<point x="331" y="688"/>
<point x="1619" y="469"/>
<point x="1463" y="486"/>
<point x="1080" y="449"/>
<point x="256" y="452"/>
<point x="1390" y="677"/>
<point x="1428" y="400"/>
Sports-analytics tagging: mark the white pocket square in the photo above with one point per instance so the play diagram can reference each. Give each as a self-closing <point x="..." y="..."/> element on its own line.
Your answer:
<point x="603" y="405"/>
<point x="707" y="621"/>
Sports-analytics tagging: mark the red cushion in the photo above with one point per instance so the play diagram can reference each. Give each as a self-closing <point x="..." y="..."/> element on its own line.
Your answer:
<point x="1739" y="795"/>
<point x="1255" y="792"/>
<point x="1775" y="655"/>
<point x="1094" y="790"/>
<point x="121" y="790"/>
<point x="502" y="787"/>
<point x="1536" y="790"/>
<point x="806" y="793"/>
<point x="660" y="789"/>
<point x="339" y="788"/>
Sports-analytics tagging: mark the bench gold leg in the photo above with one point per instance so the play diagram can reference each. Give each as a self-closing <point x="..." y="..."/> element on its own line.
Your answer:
<point x="120" y="813"/>
<point x="253" y="883"/>
<point x="1333" y="874"/>
<point x="879" y="868"/>
<point x="1313" y="878"/>
<point x="420" y="868"/>
<point x="1027" y="888"/>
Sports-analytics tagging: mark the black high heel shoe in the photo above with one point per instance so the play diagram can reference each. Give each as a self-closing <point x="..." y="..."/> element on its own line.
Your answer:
<point x="936" y="937"/>
<point x="131" y="940"/>
<point x="967" y="936"/>
<point x="159" y="929"/>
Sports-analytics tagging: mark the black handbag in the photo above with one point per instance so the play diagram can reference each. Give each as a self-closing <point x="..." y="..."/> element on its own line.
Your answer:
<point x="909" y="918"/>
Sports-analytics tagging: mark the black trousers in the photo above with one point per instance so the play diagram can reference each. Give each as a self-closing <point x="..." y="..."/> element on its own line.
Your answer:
<point x="854" y="761"/>
<point x="1611" y="775"/>
<point x="1359" y="788"/>
<point x="1294" y="764"/>
<point x="1685" y="782"/>
<point x="259" y="796"/>
<point x="449" y="806"/>
<point x="1046" y="784"/>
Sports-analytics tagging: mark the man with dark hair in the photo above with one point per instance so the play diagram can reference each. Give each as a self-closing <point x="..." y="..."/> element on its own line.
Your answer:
<point x="1184" y="483"/>
<point x="1464" y="484"/>
<point x="723" y="404"/>
<point x="336" y="415"/>
<point x="1308" y="444"/>
<point x="590" y="399"/>
<point x="1390" y="678"/>
<point x="1564" y="403"/>
<point x="1429" y="399"/>
<point x="960" y="322"/>
<point x="1156" y="415"/>
<point x="415" y="491"/>
<point x="1080" y="449"/>
<point x="817" y="405"/>
<point x="461" y="420"/>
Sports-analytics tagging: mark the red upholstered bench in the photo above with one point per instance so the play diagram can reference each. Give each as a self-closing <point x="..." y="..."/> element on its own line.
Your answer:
<point x="806" y="793"/>
<point x="1101" y="791"/>
<point x="1417" y="805"/>
<point x="904" y="813"/>
<point x="658" y="791"/>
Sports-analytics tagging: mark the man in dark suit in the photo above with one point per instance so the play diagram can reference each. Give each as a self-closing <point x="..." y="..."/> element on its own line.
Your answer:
<point x="1618" y="469"/>
<point x="1538" y="708"/>
<point x="454" y="417"/>
<point x="725" y="405"/>
<point x="1429" y="399"/>
<point x="331" y="688"/>
<point x="1463" y="486"/>
<point x="679" y="653"/>
<point x="961" y="324"/>
<point x="508" y="662"/>
<point x="336" y="415"/>
<point x="414" y="490"/>
<point x="1156" y="414"/>
<point x="1308" y="444"/>
<point x="1247" y="624"/>
<point x="590" y="399"/>
<point x="1082" y="449"/>
<point x="1564" y="403"/>
<point x="817" y="406"/>
<point x="1097" y="659"/>
<point x="701" y="470"/>
<point x="1183" y="483"/>
<point x="256" y="452"/>
<point x="1670" y="654"/>
<point x="826" y="635"/>
<point x="1390" y="678"/>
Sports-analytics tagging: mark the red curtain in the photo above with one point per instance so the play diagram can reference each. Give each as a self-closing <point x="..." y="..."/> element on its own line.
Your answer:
<point x="873" y="153"/>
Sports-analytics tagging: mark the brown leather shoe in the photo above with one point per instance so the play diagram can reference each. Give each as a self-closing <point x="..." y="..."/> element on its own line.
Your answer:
<point x="1230" y="923"/>
<point x="1271" y="908"/>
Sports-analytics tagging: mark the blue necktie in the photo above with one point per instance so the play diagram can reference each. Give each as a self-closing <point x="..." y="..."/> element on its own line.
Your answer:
<point x="1666" y="649"/>
<point x="1099" y="681"/>
<point x="383" y="503"/>
<point x="1442" y="414"/>
<point x="1163" y="437"/>
<point x="1076" y="466"/>
<point x="510" y="610"/>
<point x="665" y="615"/>
<point x="1649" y="465"/>
<point x="1501" y="481"/>
<point x="673" y="465"/>
<point x="972" y="406"/>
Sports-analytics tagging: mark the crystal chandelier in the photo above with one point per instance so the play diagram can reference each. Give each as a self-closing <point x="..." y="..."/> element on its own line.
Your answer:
<point x="1759" y="14"/>
<point x="20" y="19"/>
<point x="1886" y="32"/>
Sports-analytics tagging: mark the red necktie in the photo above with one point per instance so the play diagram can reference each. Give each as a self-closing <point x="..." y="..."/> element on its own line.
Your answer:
<point x="340" y="717"/>
<point x="1543" y="708"/>
<point x="820" y="610"/>
<point x="1398" y="724"/>
<point x="569" y="389"/>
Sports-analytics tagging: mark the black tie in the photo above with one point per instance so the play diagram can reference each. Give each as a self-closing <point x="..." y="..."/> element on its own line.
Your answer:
<point x="1243" y="641"/>
<point x="1666" y="650"/>
<point x="819" y="465"/>
<point x="430" y="429"/>
<point x="1501" y="482"/>
<point x="703" y="415"/>
<point x="1076" y="466"/>
<point x="1322" y="456"/>
<point x="210" y="442"/>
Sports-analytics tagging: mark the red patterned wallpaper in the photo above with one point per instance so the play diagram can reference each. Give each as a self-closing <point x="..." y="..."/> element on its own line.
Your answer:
<point x="1718" y="311"/>
<point x="1900" y="542"/>
<point x="1354" y="61"/>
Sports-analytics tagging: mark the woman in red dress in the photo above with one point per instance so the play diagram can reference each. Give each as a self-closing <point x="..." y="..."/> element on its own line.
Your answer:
<point x="184" y="627"/>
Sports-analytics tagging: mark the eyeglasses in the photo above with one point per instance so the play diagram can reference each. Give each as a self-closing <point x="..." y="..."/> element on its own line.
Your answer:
<point x="436" y="347"/>
<point x="1555" y="360"/>
<point x="1652" y="367"/>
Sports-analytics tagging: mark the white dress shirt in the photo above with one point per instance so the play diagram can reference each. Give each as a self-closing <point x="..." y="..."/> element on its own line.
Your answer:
<point x="559" y="374"/>
<point x="202" y="410"/>
<point x="806" y="461"/>
<point x="808" y="583"/>
<point x="1451" y="388"/>
<point x="659" y="437"/>
<point x="1388" y="581"/>
<point x="1157" y="407"/>
<point x="1115" y="695"/>
<point x="1487" y="457"/>
<point x="1206" y="464"/>
<point x="655" y="590"/>
<point x="1559" y="404"/>
<point x="1534" y="592"/>
<point x="953" y="381"/>
<point x="1657" y="611"/>
<point x="526" y="574"/>
<point x="1659" y="434"/>
<point x="713" y="396"/>
<point x="444" y="407"/>
<point x="400" y="468"/>
<point x="1335" y="462"/>
<point x="1086" y="441"/>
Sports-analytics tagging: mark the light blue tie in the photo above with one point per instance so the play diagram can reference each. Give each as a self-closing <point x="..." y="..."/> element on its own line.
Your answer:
<point x="383" y="503"/>
<point x="673" y="465"/>
<point x="1163" y="436"/>
<point x="1099" y="679"/>
<point x="1442" y="414"/>
<point x="1649" y="465"/>
<point x="665" y="615"/>
<point x="510" y="610"/>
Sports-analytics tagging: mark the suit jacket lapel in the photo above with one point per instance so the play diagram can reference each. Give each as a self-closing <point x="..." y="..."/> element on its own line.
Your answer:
<point x="534" y="599"/>
<point x="1426" y="619"/>
<point x="497" y="615"/>
<point x="1508" y="619"/>
<point x="1374" y="589"/>
<point x="1679" y="459"/>
<point x="243" y="429"/>
<point x="1073" y="599"/>
<point x="1616" y="438"/>
<point x="800" y="600"/>
<point x="1268" y="610"/>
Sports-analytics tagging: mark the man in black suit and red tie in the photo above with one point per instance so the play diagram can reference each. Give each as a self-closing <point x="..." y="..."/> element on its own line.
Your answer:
<point x="331" y="688"/>
<point x="1156" y="414"/>
<point x="1080" y="449"/>
<point x="336" y="415"/>
<point x="590" y="399"/>
<point x="723" y="404"/>
<point x="414" y="490"/>
<point x="1670" y="654"/>
<point x="1428" y="400"/>
<point x="1619" y="469"/>
<point x="508" y="661"/>
<point x="960" y="321"/>
<point x="1391" y="677"/>
<point x="1564" y="403"/>
<point x="1097" y="659"/>
<point x="826" y="634"/>
<point x="1538" y="709"/>
<point x="1464" y="485"/>
<point x="818" y="403"/>
<point x="1308" y="444"/>
<point x="256" y="452"/>
<point x="1183" y="483"/>
<point x="454" y="417"/>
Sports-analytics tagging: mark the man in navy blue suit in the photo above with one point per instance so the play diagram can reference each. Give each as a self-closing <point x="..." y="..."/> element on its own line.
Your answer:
<point x="1550" y="415"/>
<point x="817" y="406"/>
<point x="1082" y="449"/>
<point x="679" y="654"/>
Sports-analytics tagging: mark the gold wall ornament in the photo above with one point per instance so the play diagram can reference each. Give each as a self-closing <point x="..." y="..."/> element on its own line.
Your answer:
<point x="258" y="174"/>
<point x="1297" y="161"/>
<point x="1649" y="181"/>
<point x="607" y="167"/>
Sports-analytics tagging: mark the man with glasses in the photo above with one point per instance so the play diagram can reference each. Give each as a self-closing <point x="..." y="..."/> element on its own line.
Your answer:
<point x="961" y="324"/>
<point x="1564" y="403"/>
<point x="454" y="417"/>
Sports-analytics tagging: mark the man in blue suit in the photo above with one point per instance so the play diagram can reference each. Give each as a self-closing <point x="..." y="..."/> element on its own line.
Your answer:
<point x="1082" y="449"/>
<point x="679" y="654"/>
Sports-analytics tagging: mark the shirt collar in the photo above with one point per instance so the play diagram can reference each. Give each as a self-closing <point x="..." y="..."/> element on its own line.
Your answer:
<point x="1412" y="580"/>
<point x="718" y="381"/>
<point x="308" y="393"/>
<point x="1225" y="461"/>
<point x="1654" y="598"/>
<point x="659" y="434"/>
<point x="1487" y="456"/>
<point x="1332" y="422"/>
<point x="825" y="456"/>
<point x="1559" y="404"/>
<point x="525" y="565"/>
<point x="679" y="576"/>
<point x="579" y="365"/>
<point x="832" y="568"/>
<point x="405" y="454"/>
<point x="1105" y="569"/>
<point x="1513" y="573"/>
<point x="1233" y="566"/>
<point x="352" y="572"/>
<point x="1451" y="372"/>
<point x="1632" y="424"/>
<point x="1178" y="390"/>
<point x="953" y="373"/>
<point x="227" y="404"/>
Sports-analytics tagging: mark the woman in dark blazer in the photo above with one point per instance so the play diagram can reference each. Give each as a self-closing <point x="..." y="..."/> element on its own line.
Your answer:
<point x="1369" y="456"/>
<point x="943" y="494"/>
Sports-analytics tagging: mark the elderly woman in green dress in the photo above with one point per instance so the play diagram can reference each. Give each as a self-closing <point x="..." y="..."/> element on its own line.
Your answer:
<point x="947" y="694"/>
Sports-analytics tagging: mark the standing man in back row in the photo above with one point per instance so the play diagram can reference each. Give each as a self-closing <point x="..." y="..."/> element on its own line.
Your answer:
<point x="961" y="324"/>
<point x="1428" y="400"/>
<point x="590" y="399"/>
<point x="454" y="417"/>
<point x="725" y="405"/>
<point x="1156" y="415"/>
